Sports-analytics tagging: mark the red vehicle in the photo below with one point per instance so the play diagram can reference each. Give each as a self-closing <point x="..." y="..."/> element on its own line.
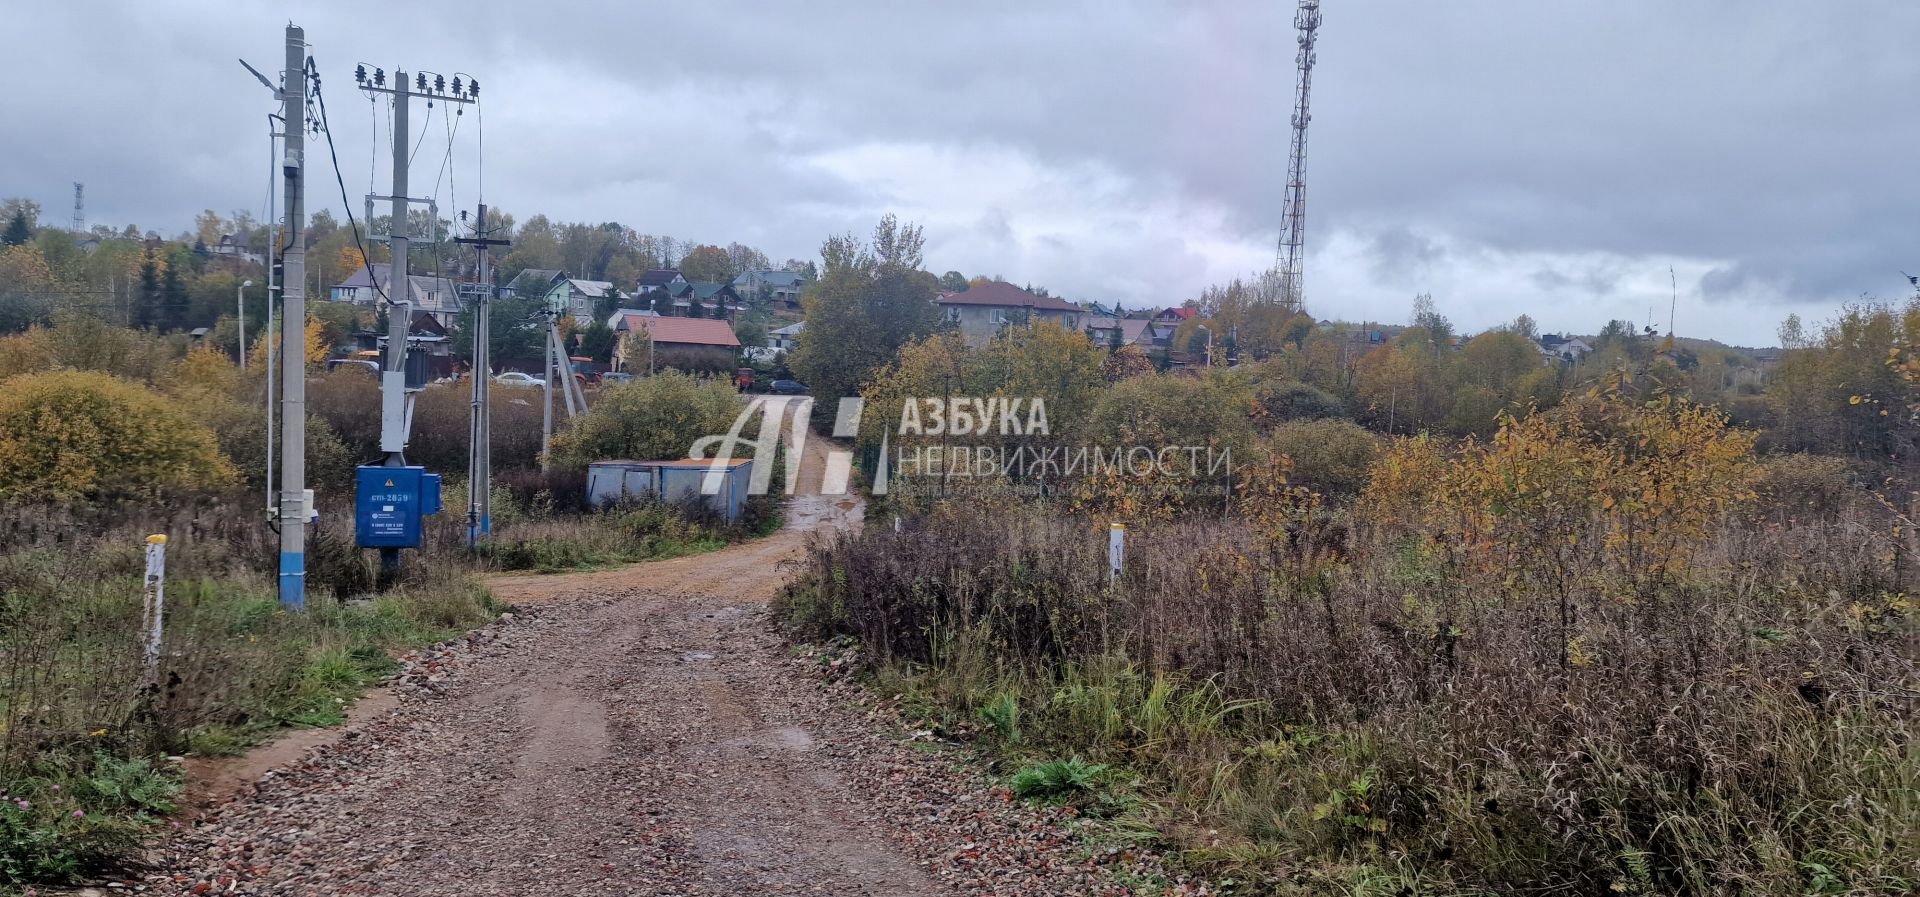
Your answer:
<point x="743" y="379"/>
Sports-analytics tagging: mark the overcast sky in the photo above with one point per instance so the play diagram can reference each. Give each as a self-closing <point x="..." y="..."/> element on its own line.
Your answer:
<point x="1507" y="157"/>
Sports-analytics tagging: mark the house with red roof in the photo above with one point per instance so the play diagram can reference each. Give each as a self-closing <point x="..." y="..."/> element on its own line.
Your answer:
<point x="986" y="311"/>
<point x="675" y="334"/>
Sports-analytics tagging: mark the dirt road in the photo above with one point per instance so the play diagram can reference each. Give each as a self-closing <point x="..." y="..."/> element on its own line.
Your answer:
<point x="638" y="731"/>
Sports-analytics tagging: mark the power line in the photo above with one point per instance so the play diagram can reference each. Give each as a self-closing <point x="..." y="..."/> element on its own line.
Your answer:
<point x="415" y="153"/>
<point x="366" y="261"/>
<point x="480" y="114"/>
<point x="373" y="139"/>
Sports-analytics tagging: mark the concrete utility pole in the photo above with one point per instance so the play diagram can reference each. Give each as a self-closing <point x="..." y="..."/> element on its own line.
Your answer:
<point x="240" y="318"/>
<point x="480" y="457"/>
<point x="293" y="354"/>
<point x="393" y="380"/>
<point x="395" y="418"/>
<point x="546" y="404"/>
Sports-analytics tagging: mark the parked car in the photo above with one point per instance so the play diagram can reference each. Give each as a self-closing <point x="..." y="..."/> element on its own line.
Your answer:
<point x="336" y="363"/>
<point x="787" y="388"/>
<point x="516" y="378"/>
<point x="616" y="377"/>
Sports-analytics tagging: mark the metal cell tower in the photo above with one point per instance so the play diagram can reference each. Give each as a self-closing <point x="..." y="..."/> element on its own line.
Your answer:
<point x="79" y="208"/>
<point x="1293" y="235"/>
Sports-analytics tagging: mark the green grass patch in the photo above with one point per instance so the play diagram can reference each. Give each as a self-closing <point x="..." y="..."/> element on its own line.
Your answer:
<point x="82" y="753"/>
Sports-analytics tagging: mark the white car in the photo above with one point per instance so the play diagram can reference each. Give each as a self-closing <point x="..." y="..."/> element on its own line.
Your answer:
<point x="516" y="378"/>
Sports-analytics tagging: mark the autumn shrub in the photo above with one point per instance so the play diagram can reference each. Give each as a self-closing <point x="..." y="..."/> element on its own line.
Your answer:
<point x="1200" y="422"/>
<point x="1578" y="657"/>
<point x="74" y="433"/>
<point x="1277" y="403"/>
<point x="241" y="432"/>
<point x="1125" y="363"/>
<point x="203" y="370"/>
<point x="27" y="352"/>
<point x="1800" y="486"/>
<point x="348" y="399"/>
<point x="85" y="342"/>
<point x="651" y="418"/>
<point x="1329" y="454"/>
<point x="544" y="493"/>
<point x="442" y="421"/>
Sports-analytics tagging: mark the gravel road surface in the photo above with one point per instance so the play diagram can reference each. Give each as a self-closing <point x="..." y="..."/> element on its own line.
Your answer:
<point x="639" y="732"/>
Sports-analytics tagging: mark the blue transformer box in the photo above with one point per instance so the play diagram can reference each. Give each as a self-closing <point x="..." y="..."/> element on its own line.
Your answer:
<point x="390" y="502"/>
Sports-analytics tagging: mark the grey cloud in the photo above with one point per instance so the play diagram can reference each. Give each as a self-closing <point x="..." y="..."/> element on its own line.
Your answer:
<point x="1761" y="137"/>
<point x="1403" y="257"/>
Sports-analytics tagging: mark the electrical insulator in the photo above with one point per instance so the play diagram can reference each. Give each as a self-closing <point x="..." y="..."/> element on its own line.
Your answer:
<point x="439" y="84"/>
<point x="420" y="82"/>
<point x="379" y="77"/>
<point x="473" y="87"/>
<point x="359" y="74"/>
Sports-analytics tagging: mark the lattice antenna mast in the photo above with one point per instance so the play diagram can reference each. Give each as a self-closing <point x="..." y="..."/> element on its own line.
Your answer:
<point x="1293" y="225"/>
<point x="79" y="207"/>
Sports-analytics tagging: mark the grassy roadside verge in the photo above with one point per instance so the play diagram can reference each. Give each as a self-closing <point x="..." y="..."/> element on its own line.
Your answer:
<point x="85" y="762"/>
<point x="87" y="748"/>
<point x="624" y="535"/>
<point x="1389" y="725"/>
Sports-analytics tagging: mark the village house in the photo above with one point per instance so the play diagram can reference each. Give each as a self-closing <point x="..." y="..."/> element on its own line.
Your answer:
<point x="985" y="311"/>
<point x="1562" y="348"/>
<point x="229" y="247"/>
<point x="659" y="278"/>
<point x="614" y="320"/>
<point x="570" y="295"/>
<point x="1138" y="332"/>
<point x="675" y="335"/>
<point x="785" y="338"/>
<point x="709" y="296"/>
<point x="783" y="287"/>
<point x="435" y="296"/>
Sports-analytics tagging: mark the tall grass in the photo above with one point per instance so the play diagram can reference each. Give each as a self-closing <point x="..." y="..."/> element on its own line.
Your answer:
<point x="1355" y="709"/>
<point x="85" y="729"/>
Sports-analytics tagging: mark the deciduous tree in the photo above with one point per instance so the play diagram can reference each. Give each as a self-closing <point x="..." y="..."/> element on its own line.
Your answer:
<point x="868" y="303"/>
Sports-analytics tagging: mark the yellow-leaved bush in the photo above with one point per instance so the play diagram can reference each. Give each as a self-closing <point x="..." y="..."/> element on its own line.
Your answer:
<point x="70" y="433"/>
<point x="1634" y="486"/>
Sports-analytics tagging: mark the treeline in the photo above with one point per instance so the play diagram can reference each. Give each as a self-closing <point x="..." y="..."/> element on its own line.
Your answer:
<point x="140" y="278"/>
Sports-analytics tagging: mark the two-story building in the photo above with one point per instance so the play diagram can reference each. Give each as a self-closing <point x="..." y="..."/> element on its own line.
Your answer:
<point x="783" y="287"/>
<point x="659" y="278"/>
<point x="986" y="311"/>
<point x="572" y="296"/>
<point x="436" y="296"/>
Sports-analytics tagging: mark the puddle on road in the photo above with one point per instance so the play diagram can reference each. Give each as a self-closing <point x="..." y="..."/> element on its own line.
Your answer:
<point x="789" y="739"/>
<point x="792" y="739"/>
<point x="697" y="655"/>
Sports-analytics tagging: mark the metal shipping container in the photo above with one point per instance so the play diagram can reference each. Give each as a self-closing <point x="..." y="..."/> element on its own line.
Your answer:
<point x="721" y="485"/>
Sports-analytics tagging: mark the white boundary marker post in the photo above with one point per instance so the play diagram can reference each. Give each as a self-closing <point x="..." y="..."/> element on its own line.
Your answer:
<point x="155" y="605"/>
<point x="1116" y="549"/>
